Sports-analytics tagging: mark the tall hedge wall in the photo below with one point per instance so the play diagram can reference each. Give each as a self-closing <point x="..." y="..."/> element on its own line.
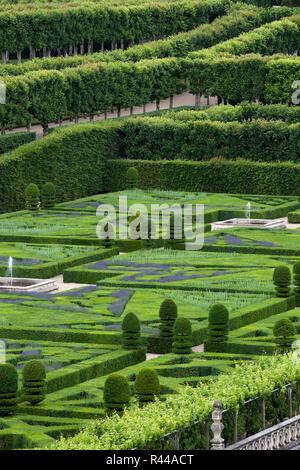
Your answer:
<point x="72" y="159"/>
<point x="216" y="175"/>
<point x="11" y="141"/>
<point x="61" y="25"/>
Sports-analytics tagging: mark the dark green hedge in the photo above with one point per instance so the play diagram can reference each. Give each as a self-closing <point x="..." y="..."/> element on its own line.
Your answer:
<point x="217" y="175"/>
<point x="12" y="141"/>
<point x="60" y="25"/>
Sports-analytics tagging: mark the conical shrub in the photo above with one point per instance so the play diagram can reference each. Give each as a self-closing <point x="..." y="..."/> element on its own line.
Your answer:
<point x="218" y="325"/>
<point x="8" y="389"/>
<point x="132" y="178"/>
<point x="146" y="385"/>
<point x="116" y="393"/>
<point x="131" y="332"/>
<point x="296" y="279"/>
<point x="48" y="194"/>
<point x="282" y="281"/>
<point x="182" y="336"/>
<point x="34" y="383"/>
<point x="167" y="315"/>
<point x="284" y="332"/>
<point x="32" y="197"/>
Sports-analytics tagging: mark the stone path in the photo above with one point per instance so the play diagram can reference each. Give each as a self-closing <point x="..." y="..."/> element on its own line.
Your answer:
<point x="64" y="286"/>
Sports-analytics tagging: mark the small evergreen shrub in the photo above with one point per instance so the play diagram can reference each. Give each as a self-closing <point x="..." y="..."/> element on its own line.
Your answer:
<point x="116" y="393"/>
<point x="32" y="197"/>
<point x="131" y="334"/>
<point x="34" y="381"/>
<point x="296" y="279"/>
<point x="147" y="386"/>
<point x="284" y="332"/>
<point x="218" y="323"/>
<point x="132" y="178"/>
<point x="182" y="336"/>
<point x="167" y="315"/>
<point x="109" y="231"/>
<point x="282" y="280"/>
<point x="48" y="193"/>
<point x="8" y="389"/>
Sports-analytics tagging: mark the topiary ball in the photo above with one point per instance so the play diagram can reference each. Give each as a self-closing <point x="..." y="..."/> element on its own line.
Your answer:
<point x="182" y="327"/>
<point x="32" y="190"/>
<point x="218" y="314"/>
<point x="282" y="275"/>
<point x="116" y="391"/>
<point x="34" y="370"/>
<point x="147" y="386"/>
<point x="168" y="310"/>
<point x="284" y="327"/>
<point x="8" y="379"/>
<point x="131" y="323"/>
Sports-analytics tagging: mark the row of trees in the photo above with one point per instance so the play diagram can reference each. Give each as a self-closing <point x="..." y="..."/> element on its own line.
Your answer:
<point x="73" y="24"/>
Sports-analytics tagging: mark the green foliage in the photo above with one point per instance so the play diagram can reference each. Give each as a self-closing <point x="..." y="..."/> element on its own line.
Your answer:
<point x="167" y="315"/>
<point x="8" y="389"/>
<point x="11" y="141"/>
<point x="116" y="393"/>
<point x="146" y="385"/>
<point x="48" y="195"/>
<point x="296" y="280"/>
<point x="284" y="332"/>
<point x="182" y="336"/>
<point x="132" y="178"/>
<point x="282" y="280"/>
<point x="131" y="331"/>
<point x="218" y="325"/>
<point x="32" y="197"/>
<point x="34" y="381"/>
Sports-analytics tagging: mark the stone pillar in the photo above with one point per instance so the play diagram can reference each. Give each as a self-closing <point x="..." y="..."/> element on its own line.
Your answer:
<point x="217" y="427"/>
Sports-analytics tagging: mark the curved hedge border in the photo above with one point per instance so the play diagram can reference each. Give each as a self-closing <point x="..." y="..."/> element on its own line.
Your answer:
<point x="12" y="141"/>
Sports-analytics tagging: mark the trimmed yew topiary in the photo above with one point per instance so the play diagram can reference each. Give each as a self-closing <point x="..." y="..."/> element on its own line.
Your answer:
<point x="116" y="393"/>
<point x="182" y="336"/>
<point x="131" y="328"/>
<point x="34" y="381"/>
<point x="284" y="332"/>
<point x="282" y="281"/>
<point x="296" y="279"/>
<point x="146" y="385"/>
<point x="218" y="324"/>
<point x="8" y="389"/>
<point x="32" y="197"/>
<point x="48" y="193"/>
<point x="167" y="315"/>
<point x="132" y="178"/>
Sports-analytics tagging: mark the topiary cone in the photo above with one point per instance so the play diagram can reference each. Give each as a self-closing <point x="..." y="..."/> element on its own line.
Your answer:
<point x="146" y="385"/>
<point x="34" y="383"/>
<point x="182" y="336"/>
<point x="116" y="393"/>
<point x="8" y="389"/>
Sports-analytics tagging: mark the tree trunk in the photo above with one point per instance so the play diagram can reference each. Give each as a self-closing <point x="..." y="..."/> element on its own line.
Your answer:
<point x="171" y="101"/>
<point x="131" y="111"/>
<point x="2" y="130"/>
<point x="76" y="119"/>
<point x="31" y="53"/>
<point x="81" y="49"/>
<point x="105" y="114"/>
<point x="102" y="46"/>
<point x="144" y="108"/>
<point x="119" y="111"/>
<point x="197" y="99"/>
<point x="19" y="57"/>
<point x="157" y="105"/>
<point x="45" y="129"/>
<point x="28" y="126"/>
<point x="70" y="50"/>
<point x="122" y="43"/>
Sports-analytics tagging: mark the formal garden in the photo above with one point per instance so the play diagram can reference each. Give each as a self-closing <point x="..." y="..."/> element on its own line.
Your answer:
<point x="121" y="342"/>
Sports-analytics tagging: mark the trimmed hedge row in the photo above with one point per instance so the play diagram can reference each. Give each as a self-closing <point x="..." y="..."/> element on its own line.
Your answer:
<point x="63" y="25"/>
<point x="216" y="175"/>
<point x="161" y="138"/>
<point x="12" y="141"/>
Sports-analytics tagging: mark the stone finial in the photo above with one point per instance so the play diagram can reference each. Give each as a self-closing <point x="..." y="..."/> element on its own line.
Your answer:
<point x="217" y="427"/>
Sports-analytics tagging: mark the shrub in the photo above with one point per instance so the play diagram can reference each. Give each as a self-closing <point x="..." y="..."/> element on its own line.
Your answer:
<point x="32" y="196"/>
<point x="34" y="383"/>
<point x="284" y="332"/>
<point x="282" y="280"/>
<point x="167" y="315"/>
<point x="218" y="322"/>
<point x="131" y="331"/>
<point x="132" y="178"/>
<point x="48" y="195"/>
<point x="116" y="392"/>
<point x="8" y="389"/>
<point x="296" y="279"/>
<point x="182" y="337"/>
<point x="147" y="386"/>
